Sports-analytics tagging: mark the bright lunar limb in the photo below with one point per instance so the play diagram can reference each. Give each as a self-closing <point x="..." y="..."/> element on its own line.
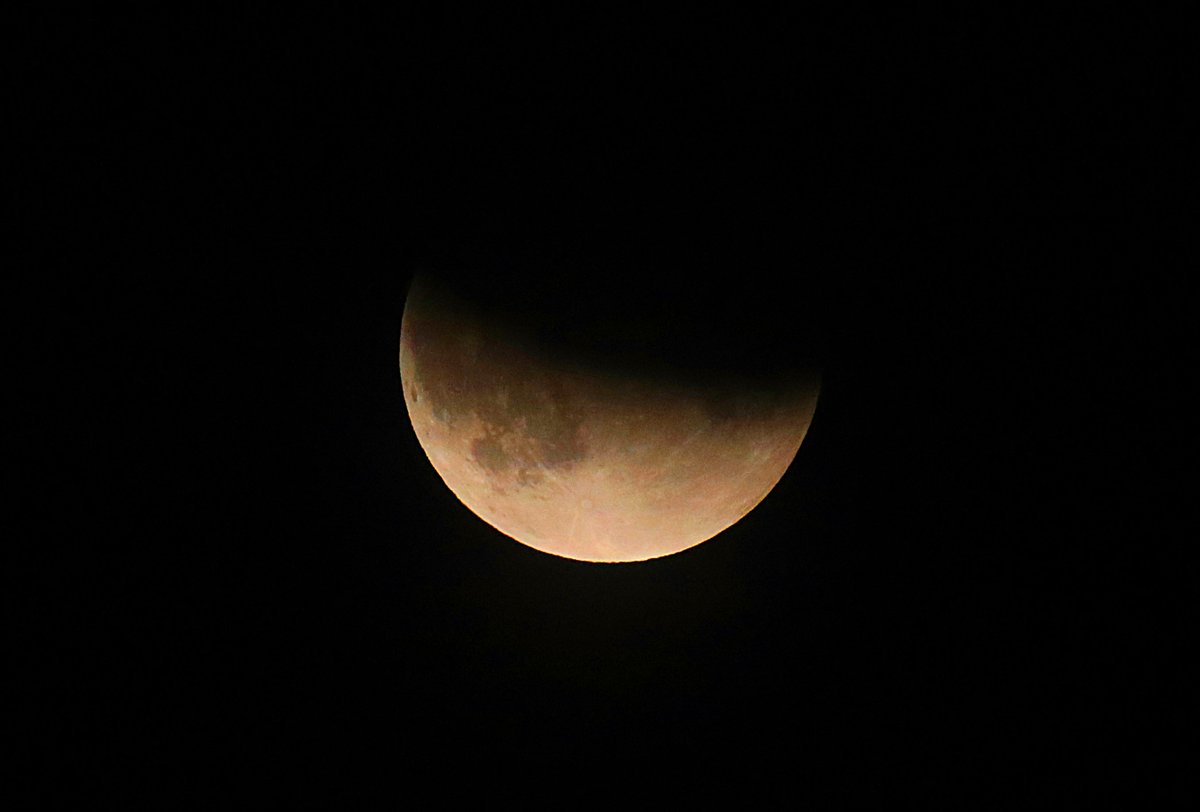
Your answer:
<point x="583" y="462"/>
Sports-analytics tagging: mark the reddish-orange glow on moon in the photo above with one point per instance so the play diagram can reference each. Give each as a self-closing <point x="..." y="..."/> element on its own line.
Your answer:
<point x="583" y="463"/>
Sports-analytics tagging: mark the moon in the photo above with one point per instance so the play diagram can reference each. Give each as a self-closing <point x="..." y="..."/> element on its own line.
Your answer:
<point x="584" y="460"/>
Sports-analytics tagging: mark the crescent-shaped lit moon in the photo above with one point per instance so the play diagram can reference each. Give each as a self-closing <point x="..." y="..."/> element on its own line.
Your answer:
<point x="583" y="463"/>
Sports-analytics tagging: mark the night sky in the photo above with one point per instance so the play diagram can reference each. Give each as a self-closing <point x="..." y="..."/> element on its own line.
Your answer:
<point x="259" y="580"/>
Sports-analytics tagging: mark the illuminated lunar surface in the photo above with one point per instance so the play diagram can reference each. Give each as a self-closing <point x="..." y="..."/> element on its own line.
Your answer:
<point x="582" y="462"/>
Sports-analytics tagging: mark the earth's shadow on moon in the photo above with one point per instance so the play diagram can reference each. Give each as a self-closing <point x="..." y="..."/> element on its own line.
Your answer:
<point x="611" y="413"/>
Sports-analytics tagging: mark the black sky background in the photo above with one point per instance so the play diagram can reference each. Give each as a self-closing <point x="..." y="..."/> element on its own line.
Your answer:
<point x="257" y="578"/>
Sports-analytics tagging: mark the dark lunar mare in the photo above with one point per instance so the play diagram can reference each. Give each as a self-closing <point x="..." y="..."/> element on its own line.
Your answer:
<point x="482" y="375"/>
